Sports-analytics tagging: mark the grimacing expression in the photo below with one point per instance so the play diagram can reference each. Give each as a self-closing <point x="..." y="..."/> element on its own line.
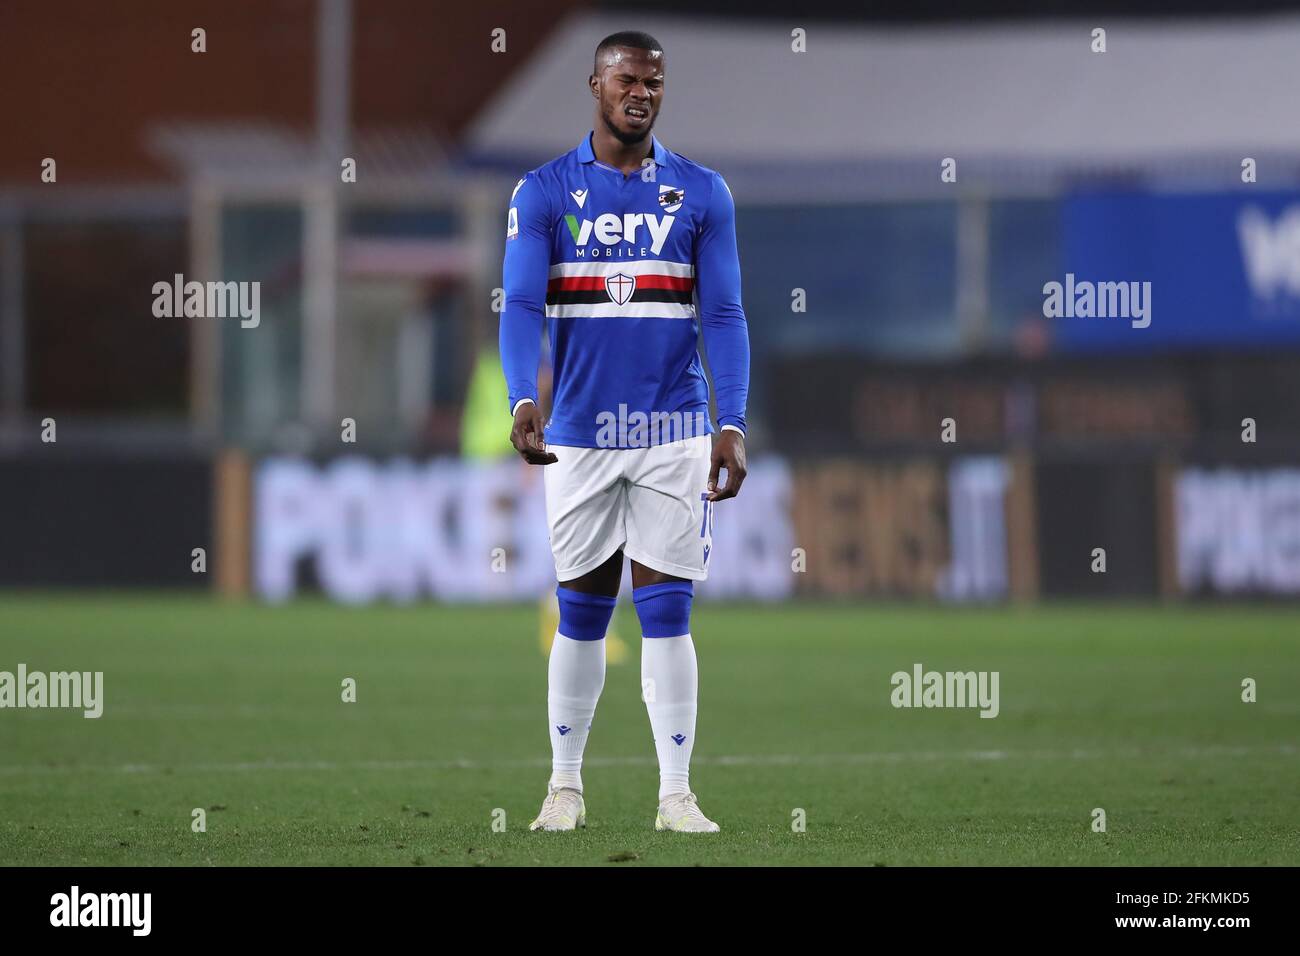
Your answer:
<point x="629" y="87"/>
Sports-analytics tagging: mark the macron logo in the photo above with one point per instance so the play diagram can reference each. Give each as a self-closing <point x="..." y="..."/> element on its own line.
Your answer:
<point x="562" y="729"/>
<point x="579" y="196"/>
<point x="678" y="739"/>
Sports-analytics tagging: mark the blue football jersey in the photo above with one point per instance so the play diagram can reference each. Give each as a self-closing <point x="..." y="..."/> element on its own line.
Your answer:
<point x="626" y="270"/>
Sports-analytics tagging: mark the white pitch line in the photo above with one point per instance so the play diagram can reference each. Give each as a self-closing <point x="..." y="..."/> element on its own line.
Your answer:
<point x="738" y="760"/>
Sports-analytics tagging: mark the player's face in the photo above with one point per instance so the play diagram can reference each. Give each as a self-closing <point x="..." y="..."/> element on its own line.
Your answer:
<point x="629" y="86"/>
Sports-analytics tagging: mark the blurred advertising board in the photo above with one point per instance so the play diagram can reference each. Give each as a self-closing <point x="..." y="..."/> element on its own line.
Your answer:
<point x="1238" y="530"/>
<point x="358" y="529"/>
<point x="835" y="404"/>
<point x="105" y="520"/>
<point x="1223" y="269"/>
<point x="362" y="530"/>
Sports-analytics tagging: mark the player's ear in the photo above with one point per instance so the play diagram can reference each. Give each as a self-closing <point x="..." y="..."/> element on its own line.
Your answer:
<point x="593" y="84"/>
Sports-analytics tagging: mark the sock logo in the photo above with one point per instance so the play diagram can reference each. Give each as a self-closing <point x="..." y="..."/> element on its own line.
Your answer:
<point x="678" y="739"/>
<point x="562" y="729"/>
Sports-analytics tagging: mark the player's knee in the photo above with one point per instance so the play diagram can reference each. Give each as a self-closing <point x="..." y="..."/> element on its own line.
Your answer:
<point x="584" y="617"/>
<point x="664" y="609"/>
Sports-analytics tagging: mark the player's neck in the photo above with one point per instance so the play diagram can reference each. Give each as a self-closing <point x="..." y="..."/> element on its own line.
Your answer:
<point x="627" y="158"/>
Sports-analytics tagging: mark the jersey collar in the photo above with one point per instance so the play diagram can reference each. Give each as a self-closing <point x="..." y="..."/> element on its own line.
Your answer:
<point x="588" y="155"/>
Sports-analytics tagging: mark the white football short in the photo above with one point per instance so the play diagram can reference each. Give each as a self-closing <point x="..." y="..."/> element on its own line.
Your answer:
<point x="648" y="502"/>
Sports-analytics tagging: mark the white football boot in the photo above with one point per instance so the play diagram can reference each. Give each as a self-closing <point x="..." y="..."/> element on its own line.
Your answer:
<point x="562" y="809"/>
<point x="681" y="813"/>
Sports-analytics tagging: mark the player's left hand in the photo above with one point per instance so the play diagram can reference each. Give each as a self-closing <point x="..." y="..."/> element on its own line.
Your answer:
<point x="728" y="453"/>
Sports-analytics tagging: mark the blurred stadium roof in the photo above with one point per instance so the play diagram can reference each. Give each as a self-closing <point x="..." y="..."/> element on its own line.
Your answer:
<point x="273" y="156"/>
<point x="1019" y="101"/>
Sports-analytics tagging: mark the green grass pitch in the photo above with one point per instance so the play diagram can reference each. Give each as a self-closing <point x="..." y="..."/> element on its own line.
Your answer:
<point x="237" y="709"/>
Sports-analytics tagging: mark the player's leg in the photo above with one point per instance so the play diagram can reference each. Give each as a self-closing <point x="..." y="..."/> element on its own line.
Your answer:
<point x="576" y="668"/>
<point x="669" y="540"/>
<point x="670" y="685"/>
<point x="669" y="675"/>
<point x="584" y="503"/>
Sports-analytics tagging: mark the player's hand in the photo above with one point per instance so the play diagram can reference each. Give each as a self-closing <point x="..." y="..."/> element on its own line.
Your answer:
<point x="527" y="436"/>
<point x="728" y="453"/>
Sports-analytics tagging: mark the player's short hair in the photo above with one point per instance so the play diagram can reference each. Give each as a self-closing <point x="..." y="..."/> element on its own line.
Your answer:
<point x="629" y="38"/>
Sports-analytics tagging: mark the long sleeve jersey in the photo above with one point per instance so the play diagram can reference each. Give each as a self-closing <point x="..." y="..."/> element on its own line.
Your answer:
<point x="626" y="270"/>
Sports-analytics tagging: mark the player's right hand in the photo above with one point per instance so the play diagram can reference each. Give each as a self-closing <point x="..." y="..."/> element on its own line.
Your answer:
<point x="527" y="435"/>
